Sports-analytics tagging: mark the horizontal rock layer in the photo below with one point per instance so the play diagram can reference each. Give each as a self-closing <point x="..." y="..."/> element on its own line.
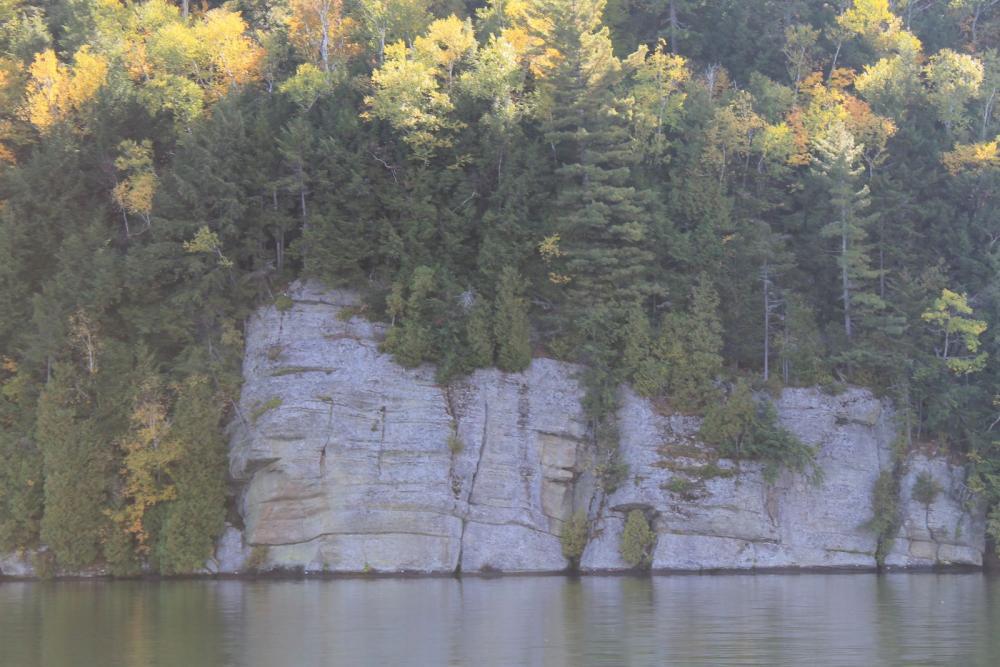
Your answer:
<point x="351" y="463"/>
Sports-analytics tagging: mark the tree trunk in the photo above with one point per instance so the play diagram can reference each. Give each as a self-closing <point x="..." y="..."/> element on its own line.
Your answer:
<point x="845" y="282"/>
<point x="836" y="54"/>
<point x="767" y="323"/>
<point x="673" y="26"/>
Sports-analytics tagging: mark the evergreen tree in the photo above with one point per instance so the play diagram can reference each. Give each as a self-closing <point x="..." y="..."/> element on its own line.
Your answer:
<point x="641" y="365"/>
<point x="598" y="213"/>
<point x="21" y="474"/>
<point x="692" y="349"/>
<point x="78" y="466"/>
<point x="510" y="328"/>
<point x="411" y="339"/>
<point x="194" y="519"/>
<point x="837" y="163"/>
<point x="479" y="332"/>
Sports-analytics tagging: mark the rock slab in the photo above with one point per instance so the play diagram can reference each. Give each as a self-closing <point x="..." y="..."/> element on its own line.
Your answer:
<point x="348" y="462"/>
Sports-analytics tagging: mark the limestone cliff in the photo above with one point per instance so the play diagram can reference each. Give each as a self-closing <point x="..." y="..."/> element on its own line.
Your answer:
<point x="347" y="463"/>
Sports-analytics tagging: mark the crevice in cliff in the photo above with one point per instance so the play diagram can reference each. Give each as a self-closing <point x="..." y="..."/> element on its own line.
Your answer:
<point x="329" y="434"/>
<point x="472" y="484"/>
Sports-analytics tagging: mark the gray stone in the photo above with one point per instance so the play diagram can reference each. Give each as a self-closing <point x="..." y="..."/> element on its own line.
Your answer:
<point x="349" y="462"/>
<point x="17" y="565"/>
<point x="231" y="553"/>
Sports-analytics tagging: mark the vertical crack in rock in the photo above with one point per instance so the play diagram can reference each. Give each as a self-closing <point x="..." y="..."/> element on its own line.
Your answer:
<point x="472" y="484"/>
<point x="326" y="445"/>
<point x="381" y="446"/>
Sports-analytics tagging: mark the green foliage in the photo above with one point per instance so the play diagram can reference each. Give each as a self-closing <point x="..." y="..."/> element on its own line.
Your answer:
<point x="574" y="535"/>
<point x="455" y="444"/>
<point x="78" y="472"/>
<point x="637" y="540"/>
<point x="21" y="474"/>
<point x="195" y="518"/>
<point x="925" y="488"/>
<point x="258" y="558"/>
<point x="259" y="411"/>
<point x="283" y="303"/>
<point x="885" y="513"/>
<point x="510" y="329"/>
<point x="411" y="340"/>
<point x="743" y="427"/>
<point x="682" y="486"/>
<point x="951" y="314"/>
<point x="692" y="349"/>
<point x="479" y="332"/>
<point x="993" y="524"/>
<point x="644" y="368"/>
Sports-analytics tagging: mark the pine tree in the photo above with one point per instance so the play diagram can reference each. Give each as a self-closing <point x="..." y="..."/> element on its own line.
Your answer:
<point x="640" y="364"/>
<point x="411" y="339"/>
<point x="478" y="332"/>
<point x="598" y="212"/>
<point x="837" y="163"/>
<point x="510" y="328"/>
<point x="692" y="348"/>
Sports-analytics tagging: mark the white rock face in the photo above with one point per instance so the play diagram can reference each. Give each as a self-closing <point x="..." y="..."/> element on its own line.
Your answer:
<point x="352" y="463"/>
<point x="708" y="516"/>
<point x="16" y="565"/>
<point x="349" y="463"/>
<point x="231" y="553"/>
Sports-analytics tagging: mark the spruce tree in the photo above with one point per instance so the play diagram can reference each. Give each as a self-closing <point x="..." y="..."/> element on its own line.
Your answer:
<point x="598" y="213"/>
<point x="510" y="327"/>
<point x="640" y="364"/>
<point x="837" y="162"/>
<point x="479" y="334"/>
<point x="692" y="346"/>
<point x="411" y="339"/>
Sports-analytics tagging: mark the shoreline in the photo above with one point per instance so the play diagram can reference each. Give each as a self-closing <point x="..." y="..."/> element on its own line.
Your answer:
<point x="299" y="575"/>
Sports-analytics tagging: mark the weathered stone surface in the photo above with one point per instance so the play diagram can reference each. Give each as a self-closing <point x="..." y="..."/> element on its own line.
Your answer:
<point x="352" y="463"/>
<point x="711" y="515"/>
<point x="950" y="530"/>
<point x="16" y="565"/>
<point x="231" y="553"/>
<point x="349" y="462"/>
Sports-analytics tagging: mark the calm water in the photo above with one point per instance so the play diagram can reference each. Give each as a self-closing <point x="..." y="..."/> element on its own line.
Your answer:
<point x="917" y="619"/>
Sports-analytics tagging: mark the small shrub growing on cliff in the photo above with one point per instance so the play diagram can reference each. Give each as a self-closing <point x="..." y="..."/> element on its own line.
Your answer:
<point x="885" y="513"/>
<point x="925" y="489"/>
<point x="574" y="537"/>
<point x="744" y="428"/>
<point x="637" y="540"/>
<point x="679" y="485"/>
<point x="993" y="524"/>
<point x="257" y="559"/>
<point x="283" y="302"/>
<point x="270" y="404"/>
<point x="455" y="444"/>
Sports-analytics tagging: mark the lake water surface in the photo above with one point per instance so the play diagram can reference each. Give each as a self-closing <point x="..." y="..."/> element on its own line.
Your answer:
<point x="809" y="619"/>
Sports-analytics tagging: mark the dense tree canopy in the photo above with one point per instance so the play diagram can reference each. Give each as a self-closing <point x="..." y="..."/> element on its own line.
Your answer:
<point x="676" y="193"/>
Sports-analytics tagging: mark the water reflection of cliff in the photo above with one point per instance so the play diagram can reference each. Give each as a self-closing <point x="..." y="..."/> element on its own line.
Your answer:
<point x="925" y="619"/>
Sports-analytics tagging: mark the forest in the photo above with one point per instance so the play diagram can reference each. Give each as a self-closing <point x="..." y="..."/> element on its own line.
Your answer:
<point x="708" y="200"/>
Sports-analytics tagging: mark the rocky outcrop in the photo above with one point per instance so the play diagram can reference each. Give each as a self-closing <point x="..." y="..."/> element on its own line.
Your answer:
<point x="349" y="463"/>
